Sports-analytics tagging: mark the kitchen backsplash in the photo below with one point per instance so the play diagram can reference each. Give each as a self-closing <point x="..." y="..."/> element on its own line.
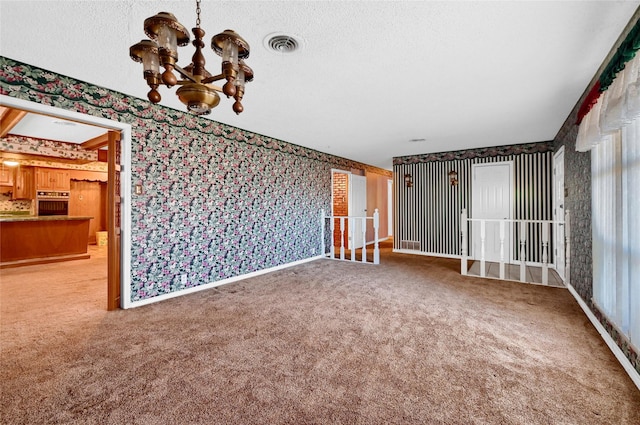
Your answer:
<point x="6" y="204"/>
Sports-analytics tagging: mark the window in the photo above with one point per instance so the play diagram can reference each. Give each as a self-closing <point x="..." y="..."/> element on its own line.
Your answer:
<point x="611" y="131"/>
<point x="615" y="168"/>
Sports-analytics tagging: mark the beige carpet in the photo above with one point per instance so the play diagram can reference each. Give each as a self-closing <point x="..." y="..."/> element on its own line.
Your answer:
<point x="327" y="342"/>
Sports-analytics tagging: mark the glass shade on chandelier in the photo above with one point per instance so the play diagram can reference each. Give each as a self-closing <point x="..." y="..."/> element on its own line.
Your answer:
<point x="196" y="90"/>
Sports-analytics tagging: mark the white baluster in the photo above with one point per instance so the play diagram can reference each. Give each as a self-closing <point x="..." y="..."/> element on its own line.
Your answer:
<point x="364" y="239"/>
<point x="332" y="249"/>
<point x="502" y="249"/>
<point x="483" y="273"/>
<point x="463" y="251"/>
<point x="342" y="238"/>
<point x="523" y="241"/>
<point x="545" y="256"/>
<point x="376" y="248"/>
<point x="352" y="239"/>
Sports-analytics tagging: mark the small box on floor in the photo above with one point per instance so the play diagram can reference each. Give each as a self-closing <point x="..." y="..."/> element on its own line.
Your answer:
<point x="101" y="238"/>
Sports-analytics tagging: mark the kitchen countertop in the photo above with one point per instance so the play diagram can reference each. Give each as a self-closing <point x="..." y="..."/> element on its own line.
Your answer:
<point x="6" y="218"/>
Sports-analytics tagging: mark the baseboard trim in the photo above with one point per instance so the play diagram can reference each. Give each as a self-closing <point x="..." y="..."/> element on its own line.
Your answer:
<point x="459" y="257"/>
<point x="617" y="352"/>
<point x="147" y="301"/>
<point x="379" y="240"/>
<point x="43" y="260"/>
<point x="425" y="254"/>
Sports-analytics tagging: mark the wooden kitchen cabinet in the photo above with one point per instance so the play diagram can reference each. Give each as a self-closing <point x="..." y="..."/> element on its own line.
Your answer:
<point x="44" y="179"/>
<point x="24" y="184"/>
<point x="6" y="175"/>
<point x="38" y="240"/>
<point x="50" y="179"/>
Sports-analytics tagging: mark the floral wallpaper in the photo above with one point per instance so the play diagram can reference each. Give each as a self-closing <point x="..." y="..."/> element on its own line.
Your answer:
<point x="217" y="201"/>
<point x="54" y="149"/>
<point x="30" y="145"/>
<point x="214" y="208"/>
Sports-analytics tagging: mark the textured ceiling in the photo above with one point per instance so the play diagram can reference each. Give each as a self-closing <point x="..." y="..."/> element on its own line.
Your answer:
<point x="371" y="75"/>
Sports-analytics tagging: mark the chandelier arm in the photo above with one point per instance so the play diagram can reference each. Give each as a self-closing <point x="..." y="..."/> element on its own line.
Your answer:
<point x="184" y="73"/>
<point x="214" y="87"/>
<point x="213" y="78"/>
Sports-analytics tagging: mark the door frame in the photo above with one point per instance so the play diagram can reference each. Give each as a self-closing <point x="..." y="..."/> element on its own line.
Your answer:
<point x="125" y="180"/>
<point x="510" y="234"/>
<point x="349" y="197"/>
<point x="114" y="221"/>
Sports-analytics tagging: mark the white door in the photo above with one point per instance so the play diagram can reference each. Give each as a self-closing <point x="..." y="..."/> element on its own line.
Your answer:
<point x="492" y="197"/>
<point x="357" y="208"/>
<point x="558" y="211"/>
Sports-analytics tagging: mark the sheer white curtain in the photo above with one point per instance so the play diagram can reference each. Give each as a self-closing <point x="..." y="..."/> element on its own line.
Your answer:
<point x="611" y="130"/>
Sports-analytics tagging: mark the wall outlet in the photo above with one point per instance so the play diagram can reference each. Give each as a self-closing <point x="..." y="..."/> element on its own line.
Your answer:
<point x="183" y="278"/>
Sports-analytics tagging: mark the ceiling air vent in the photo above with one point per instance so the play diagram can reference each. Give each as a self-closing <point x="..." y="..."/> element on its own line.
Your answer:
<point x="282" y="43"/>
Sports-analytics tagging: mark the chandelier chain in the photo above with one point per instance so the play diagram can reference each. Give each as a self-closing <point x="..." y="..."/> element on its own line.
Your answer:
<point x="197" y="13"/>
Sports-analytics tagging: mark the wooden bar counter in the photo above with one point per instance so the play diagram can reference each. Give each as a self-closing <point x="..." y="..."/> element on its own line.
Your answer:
<point x="26" y="240"/>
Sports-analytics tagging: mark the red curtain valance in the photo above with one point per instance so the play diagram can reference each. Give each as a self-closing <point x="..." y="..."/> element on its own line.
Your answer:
<point x="624" y="54"/>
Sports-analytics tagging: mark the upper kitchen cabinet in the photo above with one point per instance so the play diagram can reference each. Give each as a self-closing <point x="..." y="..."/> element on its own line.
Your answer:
<point x="24" y="184"/>
<point x="52" y="179"/>
<point x="6" y="175"/>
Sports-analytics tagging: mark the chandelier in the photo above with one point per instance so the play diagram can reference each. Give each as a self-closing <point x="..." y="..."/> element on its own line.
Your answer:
<point x="196" y="90"/>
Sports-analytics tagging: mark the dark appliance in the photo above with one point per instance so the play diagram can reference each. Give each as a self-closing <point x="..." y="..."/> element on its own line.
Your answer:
<point x="52" y="203"/>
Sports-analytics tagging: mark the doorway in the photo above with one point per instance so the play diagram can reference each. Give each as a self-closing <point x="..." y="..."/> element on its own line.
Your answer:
<point x="558" y="212"/>
<point x="357" y="208"/>
<point x="340" y="205"/>
<point x="119" y="182"/>
<point x="90" y="199"/>
<point x="348" y="198"/>
<point x="491" y="198"/>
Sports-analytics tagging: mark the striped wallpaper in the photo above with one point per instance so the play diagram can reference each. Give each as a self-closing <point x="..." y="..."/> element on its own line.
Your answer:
<point x="428" y="213"/>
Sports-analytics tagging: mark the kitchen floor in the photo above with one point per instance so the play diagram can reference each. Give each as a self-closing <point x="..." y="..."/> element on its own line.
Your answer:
<point x="51" y="290"/>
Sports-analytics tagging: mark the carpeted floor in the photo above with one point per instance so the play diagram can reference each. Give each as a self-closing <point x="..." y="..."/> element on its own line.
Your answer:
<point x="327" y="342"/>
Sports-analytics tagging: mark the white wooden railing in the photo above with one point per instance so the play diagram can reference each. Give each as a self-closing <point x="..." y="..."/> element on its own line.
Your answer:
<point x="348" y="224"/>
<point x="516" y="231"/>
